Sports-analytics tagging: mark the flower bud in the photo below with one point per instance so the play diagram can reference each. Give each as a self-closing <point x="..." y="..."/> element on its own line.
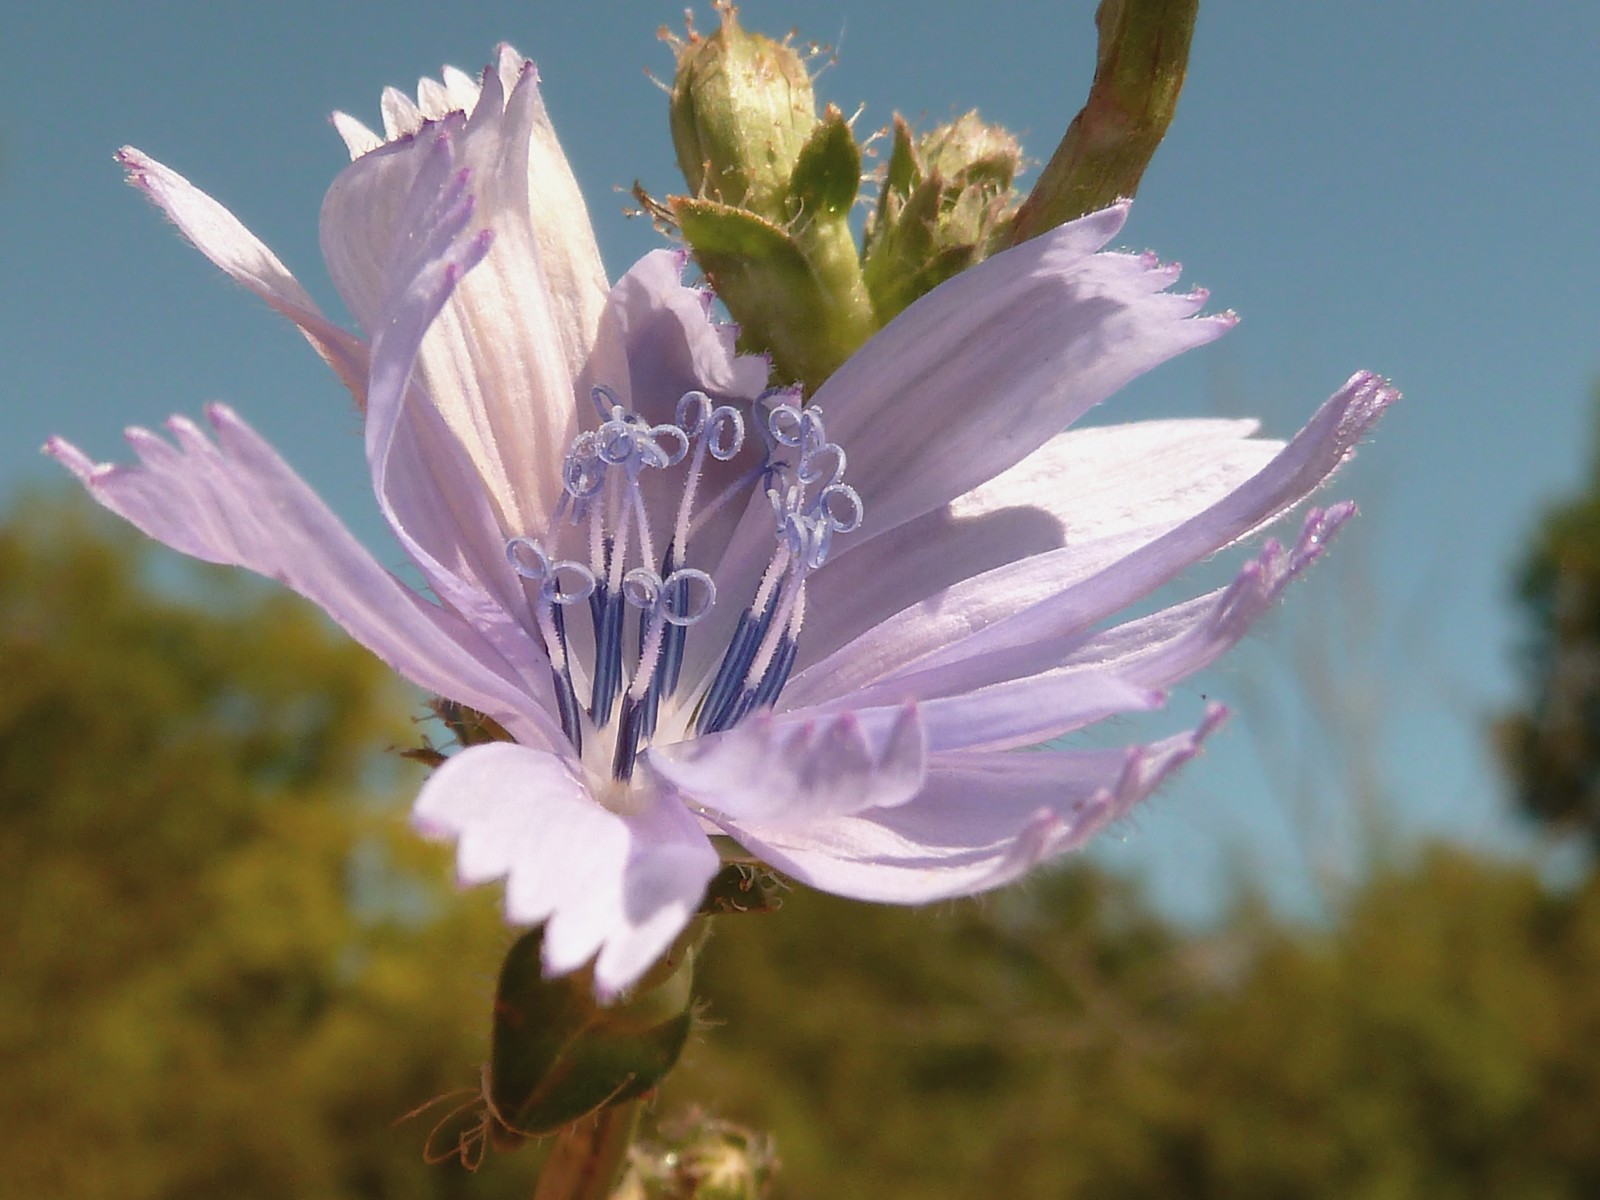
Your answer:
<point x="700" y="1158"/>
<point x="556" y="1054"/>
<point x="944" y="201"/>
<point x="771" y="188"/>
<point x="741" y="111"/>
<point x="793" y="283"/>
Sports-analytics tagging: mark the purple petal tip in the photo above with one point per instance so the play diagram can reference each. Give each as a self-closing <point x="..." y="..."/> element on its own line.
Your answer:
<point x="69" y="456"/>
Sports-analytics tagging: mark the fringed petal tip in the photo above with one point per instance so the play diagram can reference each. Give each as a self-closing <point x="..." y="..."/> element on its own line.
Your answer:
<point x="72" y="458"/>
<point x="513" y="68"/>
<point x="1362" y="400"/>
<point x="134" y="162"/>
<point x="1111" y="218"/>
<point x="357" y="138"/>
<point x="609" y="889"/>
<point x="948" y="843"/>
<point x="1316" y="532"/>
<point x="1051" y="833"/>
<point x="507" y="55"/>
<point x="1274" y="568"/>
<point x="1144" y="770"/>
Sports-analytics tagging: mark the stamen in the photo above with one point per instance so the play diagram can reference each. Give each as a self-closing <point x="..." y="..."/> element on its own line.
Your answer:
<point x="652" y="698"/>
<point x="748" y="636"/>
<point x="665" y="605"/>
<point x="605" y="607"/>
<point x="566" y="694"/>
<point x="720" y="431"/>
<point x="802" y="474"/>
<point x="557" y="584"/>
<point x="771" y="686"/>
<point x="672" y="650"/>
<point x="626" y="752"/>
<point x="730" y="675"/>
<point x="664" y="679"/>
<point x="763" y="673"/>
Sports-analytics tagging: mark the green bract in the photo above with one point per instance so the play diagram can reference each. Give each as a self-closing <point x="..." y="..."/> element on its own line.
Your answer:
<point x="741" y="110"/>
<point x="944" y="200"/>
<point x="773" y="185"/>
<point x="556" y="1054"/>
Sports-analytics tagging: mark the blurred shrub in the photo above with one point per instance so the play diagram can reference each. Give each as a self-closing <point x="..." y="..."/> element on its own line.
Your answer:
<point x="1551" y="742"/>
<point x="227" y="966"/>
<point x="1436" y="1041"/>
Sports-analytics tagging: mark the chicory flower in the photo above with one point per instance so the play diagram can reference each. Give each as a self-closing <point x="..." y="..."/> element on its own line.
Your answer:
<point x="701" y="607"/>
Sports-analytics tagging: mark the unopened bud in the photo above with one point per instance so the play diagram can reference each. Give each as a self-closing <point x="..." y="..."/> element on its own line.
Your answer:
<point x="557" y="1054"/>
<point x="700" y="1158"/>
<point x="945" y="199"/>
<point x="793" y="284"/>
<point x="771" y="187"/>
<point x="741" y="110"/>
<point x="971" y="152"/>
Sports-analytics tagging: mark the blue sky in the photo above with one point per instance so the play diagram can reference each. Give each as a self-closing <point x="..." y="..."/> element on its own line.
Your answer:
<point x="1409" y="188"/>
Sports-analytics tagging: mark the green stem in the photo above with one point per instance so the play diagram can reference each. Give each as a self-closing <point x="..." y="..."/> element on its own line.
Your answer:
<point x="1144" y="51"/>
<point x="588" y="1155"/>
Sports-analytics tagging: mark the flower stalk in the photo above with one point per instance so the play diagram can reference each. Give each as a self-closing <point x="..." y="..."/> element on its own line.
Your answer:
<point x="1139" y="70"/>
<point x="587" y="1157"/>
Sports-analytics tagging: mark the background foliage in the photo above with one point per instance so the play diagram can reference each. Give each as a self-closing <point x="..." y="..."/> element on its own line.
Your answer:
<point x="228" y="966"/>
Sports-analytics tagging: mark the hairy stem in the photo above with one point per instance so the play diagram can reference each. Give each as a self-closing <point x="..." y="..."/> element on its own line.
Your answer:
<point x="1144" y="51"/>
<point x="588" y="1155"/>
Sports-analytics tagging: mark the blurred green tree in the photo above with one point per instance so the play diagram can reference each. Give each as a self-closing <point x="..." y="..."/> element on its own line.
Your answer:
<point x="228" y="966"/>
<point x="1435" y="1041"/>
<point x="1551" y="743"/>
<point x="968" y="1049"/>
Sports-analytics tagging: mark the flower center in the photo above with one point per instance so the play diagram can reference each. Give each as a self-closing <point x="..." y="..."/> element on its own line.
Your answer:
<point x="615" y="479"/>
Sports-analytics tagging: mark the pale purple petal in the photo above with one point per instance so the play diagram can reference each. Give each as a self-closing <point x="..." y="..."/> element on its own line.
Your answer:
<point x="981" y="821"/>
<point x="434" y="101"/>
<point x="963" y="629"/>
<point x="461" y="90"/>
<point x="401" y="116"/>
<point x="1013" y="713"/>
<point x="1150" y="652"/>
<point x="789" y="772"/>
<point x="501" y="359"/>
<point x="236" y="502"/>
<point x="358" y="139"/>
<point x="615" y="889"/>
<point x="1104" y="490"/>
<point x="1165" y="647"/>
<point x="424" y="482"/>
<point x="672" y="342"/>
<point x="982" y="371"/>
<point x="558" y="218"/>
<point x="658" y="341"/>
<point x="220" y="236"/>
